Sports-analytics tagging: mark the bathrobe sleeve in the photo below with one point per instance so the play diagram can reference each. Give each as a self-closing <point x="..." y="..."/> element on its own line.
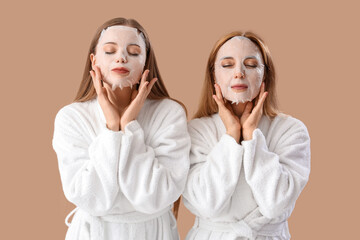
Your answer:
<point x="153" y="168"/>
<point x="88" y="171"/>
<point x="277" y="177"/>
<point x="214" y="172"/>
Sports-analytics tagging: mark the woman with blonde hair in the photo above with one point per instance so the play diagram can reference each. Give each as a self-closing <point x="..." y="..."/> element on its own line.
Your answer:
<point x="249" y="162"/>
<point x="122" y="145"/>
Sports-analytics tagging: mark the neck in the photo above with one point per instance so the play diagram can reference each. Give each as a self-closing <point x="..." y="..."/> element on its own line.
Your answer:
<point x="120" y="97"/>
<point x="238" y="108"/>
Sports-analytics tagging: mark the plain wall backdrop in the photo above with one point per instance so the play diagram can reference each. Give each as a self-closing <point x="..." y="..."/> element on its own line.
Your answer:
<point x="315" y="48"/>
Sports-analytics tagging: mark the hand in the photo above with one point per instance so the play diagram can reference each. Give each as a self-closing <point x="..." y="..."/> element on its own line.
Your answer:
<point x="110" y="110"/>
<point x="137" y="100"/>
<point x="250" y="119"/>
<point x="227" y="115"/>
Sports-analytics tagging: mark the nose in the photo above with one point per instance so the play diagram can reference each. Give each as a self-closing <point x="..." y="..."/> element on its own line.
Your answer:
<point x="121" y="58"/>
<point x="239" y="74"/>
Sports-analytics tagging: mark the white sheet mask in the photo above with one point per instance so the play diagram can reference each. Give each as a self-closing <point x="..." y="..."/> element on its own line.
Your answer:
<point x="239" y="61"/>
<point x="121" y="47"/>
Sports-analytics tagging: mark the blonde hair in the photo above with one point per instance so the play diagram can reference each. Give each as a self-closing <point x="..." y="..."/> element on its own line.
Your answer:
<point x="208" y="106"/>
<point x="158" y="91"/>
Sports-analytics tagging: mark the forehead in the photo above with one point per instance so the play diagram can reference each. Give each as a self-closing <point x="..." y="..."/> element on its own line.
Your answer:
<point x="120" y="34"/>
<point x="238" y="47"/>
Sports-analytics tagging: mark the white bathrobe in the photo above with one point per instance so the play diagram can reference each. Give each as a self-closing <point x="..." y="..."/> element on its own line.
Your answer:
<point x="247" y="190"/>
<point x="123" y="183"/>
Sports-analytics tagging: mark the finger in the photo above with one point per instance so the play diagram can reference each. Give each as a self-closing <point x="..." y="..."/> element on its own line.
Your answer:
<point x="97" y="72"/>
<point x="102" y="91"/>
<point x="99" y="76"/>
<point x="144" y="77"/>
<point x="263" y="97"/>
<point x="260" y="104"/>
<point x="143" y="88"/>
<point x="218" y="102"/>
<point x="142" y="92"/>
<point x="92" y="79"/>
<point x="221" y="106"/>
<point x="151" y="84"/>
<point x="143" y="83"/>
<point x="218" y="92"/>
<point x="95" y="82"/>
<point x="105" y="94"/>
<point x="262" y="89"/>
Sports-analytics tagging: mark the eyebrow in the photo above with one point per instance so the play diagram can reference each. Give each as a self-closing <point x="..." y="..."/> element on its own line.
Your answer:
<point x="251" y="57"/>
<point x="110" y="43"/>
<point x="114" y="43"/>
<point x="226" y="58"/>
<point x="134" y="44"/>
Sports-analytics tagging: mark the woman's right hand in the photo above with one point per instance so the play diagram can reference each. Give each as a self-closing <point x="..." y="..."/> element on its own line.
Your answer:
<point x="111" y="112"/>
<point x="227" y="115"/>
<point x="137" y="100"/>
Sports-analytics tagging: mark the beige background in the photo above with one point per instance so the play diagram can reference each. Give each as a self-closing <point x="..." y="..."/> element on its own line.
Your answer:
<point x="315" y="47"/>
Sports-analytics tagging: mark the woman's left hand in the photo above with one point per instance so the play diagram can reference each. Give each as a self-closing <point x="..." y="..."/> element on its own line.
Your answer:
<point x="251" y="116"/>
<point x="137" y="100"/>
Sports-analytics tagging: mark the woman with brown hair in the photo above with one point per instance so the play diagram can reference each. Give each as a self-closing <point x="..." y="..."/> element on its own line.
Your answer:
<point x="249" y="162"/>
<point x="122" y="145"/>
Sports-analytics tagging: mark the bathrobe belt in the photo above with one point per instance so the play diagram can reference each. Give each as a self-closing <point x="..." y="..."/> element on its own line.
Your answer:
<point x="241" y="228"/>
<point x="96" y="222"/>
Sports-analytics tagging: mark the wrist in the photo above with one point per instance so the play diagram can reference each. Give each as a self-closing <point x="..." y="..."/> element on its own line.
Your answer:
<point x="123" y="125"/>
<point x="113" y="126"/>
<point x="234" y="134"/>
<point x="247" y="135"/>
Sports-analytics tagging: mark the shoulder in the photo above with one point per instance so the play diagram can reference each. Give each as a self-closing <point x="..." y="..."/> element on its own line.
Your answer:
<point x="202" y="122"/>
<point x="165" y="104"/>
<point x="285" y="121"/>
<point x="73" y="112"/>
<point x="288" y="127"/>
<point x="162" y="114"/>
<point x="163" y="108"/>
<point x="204" y="125"/>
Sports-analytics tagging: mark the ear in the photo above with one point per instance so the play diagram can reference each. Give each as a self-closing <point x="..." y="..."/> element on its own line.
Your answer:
<point x="93" y="60"/>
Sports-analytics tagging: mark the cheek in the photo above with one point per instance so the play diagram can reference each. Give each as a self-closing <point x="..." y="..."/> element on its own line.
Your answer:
<point x="223" y="76"/>
<point x="103" y="61"/>
<point x="254" y="77"/>
<point x="136" y="62"/>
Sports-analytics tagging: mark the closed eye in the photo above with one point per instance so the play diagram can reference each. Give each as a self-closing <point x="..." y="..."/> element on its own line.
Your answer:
<point x="251" y="66"/>
<point x="133" y="50"/>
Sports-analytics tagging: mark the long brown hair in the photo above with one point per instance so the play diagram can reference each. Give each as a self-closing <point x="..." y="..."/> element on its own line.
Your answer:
<point x="208" y="106"/>
<point x="158" y="91"/>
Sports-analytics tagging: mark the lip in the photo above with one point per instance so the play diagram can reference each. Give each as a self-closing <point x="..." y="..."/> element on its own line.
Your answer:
<point x="121" y="70"/>
<point x="239" y="86"/>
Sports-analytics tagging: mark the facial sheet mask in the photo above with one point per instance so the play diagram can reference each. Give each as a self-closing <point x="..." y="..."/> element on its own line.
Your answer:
<point x="121" y="56"/>
<point x="239" y="69"/>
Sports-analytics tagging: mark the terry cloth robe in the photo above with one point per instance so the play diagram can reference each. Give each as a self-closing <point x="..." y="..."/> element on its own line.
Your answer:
<point x="247" y="190"/>
<point x="122" y="183"/>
